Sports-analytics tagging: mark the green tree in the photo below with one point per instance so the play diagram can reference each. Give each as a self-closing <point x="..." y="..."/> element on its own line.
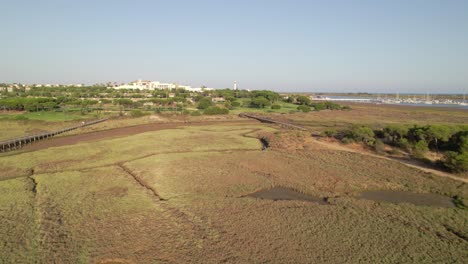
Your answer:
<point x="437" y="134"/>
<point x="362" y="134"/>
<point x="420" y="148"/>
<point x="303" y="100"/>
<point x="259" y="102"/>
<point x="456" y="162"/>
<point x="395" y="132"/>
<point x="204" y="103"/>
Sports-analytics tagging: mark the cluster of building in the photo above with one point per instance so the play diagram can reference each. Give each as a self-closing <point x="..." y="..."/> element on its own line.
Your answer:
<point x="27" y="87"/>
<point x="139" y="84"/>
<point x="155" y="85"/>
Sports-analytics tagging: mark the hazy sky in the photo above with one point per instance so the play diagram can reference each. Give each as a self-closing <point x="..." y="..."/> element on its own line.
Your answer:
<point x="376" y="45"/>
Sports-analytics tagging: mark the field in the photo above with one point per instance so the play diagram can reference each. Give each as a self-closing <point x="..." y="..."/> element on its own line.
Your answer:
<point x="170" y="190"/>
<point x="18" y="123"/>
<point x="379" y="115"/>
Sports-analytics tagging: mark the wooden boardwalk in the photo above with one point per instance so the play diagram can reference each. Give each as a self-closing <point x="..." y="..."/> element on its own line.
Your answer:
<point x="17" y="143"/>
<point x="272" y="121"/>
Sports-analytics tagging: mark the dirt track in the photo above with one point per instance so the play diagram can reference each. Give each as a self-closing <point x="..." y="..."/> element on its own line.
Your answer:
<point x="407" y="163"/>
<point x="118" y="132"/>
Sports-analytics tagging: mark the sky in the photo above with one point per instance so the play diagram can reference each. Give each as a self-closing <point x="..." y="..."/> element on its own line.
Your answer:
<point x="291" y="45"/>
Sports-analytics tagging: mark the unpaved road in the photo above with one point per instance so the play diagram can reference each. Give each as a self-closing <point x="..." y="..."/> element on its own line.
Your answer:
<point x="118" y="132"/>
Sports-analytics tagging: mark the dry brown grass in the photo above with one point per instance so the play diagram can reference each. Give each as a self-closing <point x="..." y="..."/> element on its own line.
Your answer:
<point x="101" y="203"/>
<point x="379" y="115"/>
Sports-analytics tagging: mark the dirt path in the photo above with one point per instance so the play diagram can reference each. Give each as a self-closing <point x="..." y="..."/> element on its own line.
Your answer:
<point x="334" y="146"/>
<point x="117" y="132"/>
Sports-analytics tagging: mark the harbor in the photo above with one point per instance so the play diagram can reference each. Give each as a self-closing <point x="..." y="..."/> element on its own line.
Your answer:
<point x="409" y="100"/>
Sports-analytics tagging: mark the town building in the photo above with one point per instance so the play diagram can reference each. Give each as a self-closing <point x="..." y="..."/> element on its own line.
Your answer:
<point x="156" y="85"/>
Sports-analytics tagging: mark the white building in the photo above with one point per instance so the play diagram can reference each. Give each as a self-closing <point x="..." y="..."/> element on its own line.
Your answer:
<point x="150" y="85"/>
<point x="155" y="85"/>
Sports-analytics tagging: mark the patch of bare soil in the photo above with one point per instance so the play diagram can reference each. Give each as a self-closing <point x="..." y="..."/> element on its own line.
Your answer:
<point x="282" y="193"/>
<point x="423" y="199"/>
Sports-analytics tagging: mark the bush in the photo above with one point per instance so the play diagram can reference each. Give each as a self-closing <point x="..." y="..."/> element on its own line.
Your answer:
<point x="137" y="113"/>
<point x="404" y="144"/>
<point x="275" y="106"/>
<point x="456" y="162"/>
<point x="346" y="108"/>
<point x="228" y="105"/>
<point x="204" y="103"/>
<point x="379" y="146"/>
<point x="318" y="106"/>
<point x="332" y="106"/>
<point x="330" y="132"/>
<point x="303" y="108"/>
<point x="195" y="113"/>
<point x="362" y="134"/>
<point x="235" y="104"/>
<point x="21" y="117"/>
<point x="347" y="140"/>
<point x="303" y="100"/>
<point x="420" y="149"/>
<point x="214" y="110"/>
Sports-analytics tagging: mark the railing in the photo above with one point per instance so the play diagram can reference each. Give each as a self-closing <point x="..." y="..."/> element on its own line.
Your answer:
<point x="16" y="143"/>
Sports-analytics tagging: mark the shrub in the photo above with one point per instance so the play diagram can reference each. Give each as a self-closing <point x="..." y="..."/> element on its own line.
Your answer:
<point x="318" y="106"/>
<point x="362" y="134"/>
<point x="303" y="100"/>
<point x="332" y="106"/>
<point x="265" y="142"/>
<point x="195" y="113"/>
<point x="330" y="132"/>
<point x="395" y="133"/>
<point x="137" y="113"/>
<point x="395" y="151"/>
<point x="235" y="104"/>
<point x="228" y="105"/>
<point x="303" y="108"/>
<point x="204" y="103"/>
<point x="21" y="117"/>
<point x="379" y="146"/>
<point x="404" y="144"/>
<point x="420" y="148"/>
<point x="347" y="140"/>
<point x="275" y="106"/>
<point x="214" y="110"/>
<point x="456" y="162"/>
<point x="346" y="108"/>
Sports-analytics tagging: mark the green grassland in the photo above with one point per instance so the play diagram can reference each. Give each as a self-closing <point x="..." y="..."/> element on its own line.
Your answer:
<point x="285" y="107"/>
<point x="19" y="124"/>
<point x="178" y="195"/>
<point x="49" y="116"/>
